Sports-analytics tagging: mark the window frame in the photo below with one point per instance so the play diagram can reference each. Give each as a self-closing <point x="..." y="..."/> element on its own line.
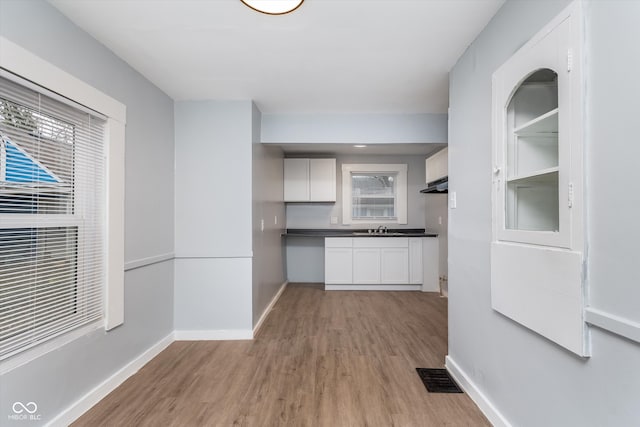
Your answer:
<point x="20" y="64"/>
<point x="400" y="170"/>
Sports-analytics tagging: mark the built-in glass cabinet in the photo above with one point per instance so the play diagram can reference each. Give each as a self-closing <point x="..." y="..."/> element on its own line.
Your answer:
<point x="537" y="250"/>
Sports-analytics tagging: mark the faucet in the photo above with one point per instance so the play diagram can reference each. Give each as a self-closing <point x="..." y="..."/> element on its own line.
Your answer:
<point x="381" y="229"/>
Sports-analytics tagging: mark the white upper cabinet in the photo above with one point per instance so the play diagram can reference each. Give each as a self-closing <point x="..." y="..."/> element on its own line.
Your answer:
<point x="322" y="180"/>
<point x="309" y="180"/>
<point x="537" y="252"/>
<point x="437" y="166"/>
<point x="296" y="180"/>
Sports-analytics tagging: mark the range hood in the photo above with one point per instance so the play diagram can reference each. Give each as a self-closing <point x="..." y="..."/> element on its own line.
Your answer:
<point x="439" y="186"/>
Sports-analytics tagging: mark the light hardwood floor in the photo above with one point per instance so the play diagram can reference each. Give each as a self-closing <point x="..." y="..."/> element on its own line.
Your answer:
<point x="338" y="358"/>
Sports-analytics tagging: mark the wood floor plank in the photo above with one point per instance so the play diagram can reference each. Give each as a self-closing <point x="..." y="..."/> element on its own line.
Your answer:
<point x="341" y="358"/>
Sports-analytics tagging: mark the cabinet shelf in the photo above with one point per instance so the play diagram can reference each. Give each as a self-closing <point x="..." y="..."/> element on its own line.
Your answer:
<point x="547" y="123"/>
<point x="539" y="176"/>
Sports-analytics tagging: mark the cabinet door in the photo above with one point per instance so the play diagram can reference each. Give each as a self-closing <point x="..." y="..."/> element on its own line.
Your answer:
<point x="415" y="261"/>
<point x="338" y="266"/>
<point x="394" y="266"/>
<point x="436" y="166"/>
<point x="322" y="180"/>
<point x="296" y="180"/>
<point x="536" y="117"/>
<point x="366" y="266"/>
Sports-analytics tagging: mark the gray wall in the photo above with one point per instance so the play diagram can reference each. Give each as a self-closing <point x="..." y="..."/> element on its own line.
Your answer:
<point x="437" y="219"/>
<point x="612" y="156"/>
<point x="530" y="380"/>
<point x="305" y="256"/>
<point x="63" y="376"/>
<point x="354" y="128"/>
<point x="213" y="228"/>
<point x="267" y="207"/>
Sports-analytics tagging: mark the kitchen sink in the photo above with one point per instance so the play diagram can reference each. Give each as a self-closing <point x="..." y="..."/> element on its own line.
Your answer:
<point x="388" y="234"/>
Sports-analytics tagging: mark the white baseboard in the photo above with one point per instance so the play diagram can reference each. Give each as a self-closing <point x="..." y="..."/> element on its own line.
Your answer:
<point x="214" y="335"/>
<point x="485" y="405"/>
<point x="267" y="310"/>
<point x="87" y="401"/>
<point x="372" y="287"/>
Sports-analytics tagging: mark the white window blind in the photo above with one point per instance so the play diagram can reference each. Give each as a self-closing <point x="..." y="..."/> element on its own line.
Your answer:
<point x="374" y="195"/>
<point x="52" y="217"/>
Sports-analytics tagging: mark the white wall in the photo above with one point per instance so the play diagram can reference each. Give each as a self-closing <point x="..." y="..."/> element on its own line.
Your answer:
<point x="530" y="380"/>
<point x="268" y="207"/>
<point x="61" y="377"/>
<point x="305" y="256"/>
<point x="213" y="229"/>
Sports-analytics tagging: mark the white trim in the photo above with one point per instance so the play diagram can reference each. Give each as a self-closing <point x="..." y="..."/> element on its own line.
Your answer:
<point x="610" y="322"/>
<point x="26" y="65"/>
<point x="373" y="287"/>
<point x="267" y="310"/>
<point x="114" y="232"/>
<point x="143" y="262"/>
<point x="214" y="335"/>
<point x="20" y="61"/>
<point x="213" y="257"/>
<point x="484" y="404"/>
<point x="82" y="405"/>
<point x="401" y="192"/>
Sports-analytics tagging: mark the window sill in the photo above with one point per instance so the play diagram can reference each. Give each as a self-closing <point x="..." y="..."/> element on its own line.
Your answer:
<point x="40" y="350"/>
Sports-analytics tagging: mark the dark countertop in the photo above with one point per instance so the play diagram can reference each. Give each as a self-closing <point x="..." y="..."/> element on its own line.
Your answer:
<point x="336" y="232"/>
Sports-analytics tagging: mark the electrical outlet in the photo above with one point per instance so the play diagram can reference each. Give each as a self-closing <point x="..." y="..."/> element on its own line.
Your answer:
<point x="440" y="220"/>
<point x="262" y="225"/>
<point x="453" y="200"/>
<point x="334" y="220"/>
<point x="275" y="220"/>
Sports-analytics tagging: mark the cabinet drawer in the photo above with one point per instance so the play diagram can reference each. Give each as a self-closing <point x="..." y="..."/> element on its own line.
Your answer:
<point x="381" y="242"/>
<point x="338" y="242"/>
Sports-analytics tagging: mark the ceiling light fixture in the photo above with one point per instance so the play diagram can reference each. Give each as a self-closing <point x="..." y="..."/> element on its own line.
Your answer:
<point x="273" y="7"/>
<point x="360" y="146"/>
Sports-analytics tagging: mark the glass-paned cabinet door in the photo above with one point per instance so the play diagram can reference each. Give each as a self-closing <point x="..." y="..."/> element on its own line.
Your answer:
<point x="532" y="196"/>
<point x="532" y="136"/>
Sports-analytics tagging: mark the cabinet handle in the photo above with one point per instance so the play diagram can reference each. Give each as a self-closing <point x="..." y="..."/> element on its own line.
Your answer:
<point x="496" y="170"/>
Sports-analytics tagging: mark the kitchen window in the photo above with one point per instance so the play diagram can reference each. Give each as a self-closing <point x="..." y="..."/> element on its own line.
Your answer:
<point x="374" y="193"/>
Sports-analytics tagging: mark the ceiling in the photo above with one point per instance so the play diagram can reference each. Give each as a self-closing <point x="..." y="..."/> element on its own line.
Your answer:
<point x="329" y="56"/>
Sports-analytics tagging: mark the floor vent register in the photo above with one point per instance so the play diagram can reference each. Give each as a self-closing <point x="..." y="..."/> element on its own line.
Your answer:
<point x="438" y="381"/>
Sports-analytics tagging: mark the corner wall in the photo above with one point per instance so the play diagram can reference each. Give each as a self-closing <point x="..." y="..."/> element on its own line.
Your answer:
<point x="437" y="219"/>
<point x="59" y="379"/>
<point x="529" y="380"/>
<point x="268" y="220"/>
<point x="213" y="279"/>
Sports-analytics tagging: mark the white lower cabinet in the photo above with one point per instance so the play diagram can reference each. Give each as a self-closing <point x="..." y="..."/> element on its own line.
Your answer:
<point x="374" y="263"/>
<point x="394" y="266"/>
<point x="338" y="261"/>
<point x="366" y="265"/>
<point x="416" y="266"/>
